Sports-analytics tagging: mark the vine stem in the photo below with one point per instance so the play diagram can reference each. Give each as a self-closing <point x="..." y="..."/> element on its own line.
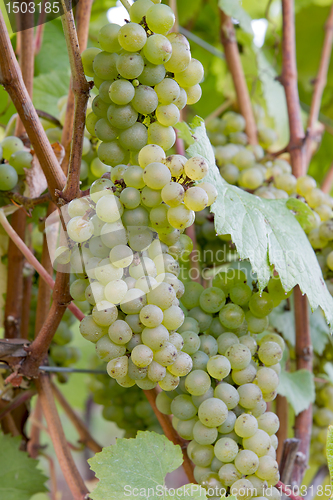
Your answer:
<point x="287" y="491"/>
<point x="328" y="181"/>
<point x="126" y="4"/>
<point x="282" y="433"/>
<point x="83" y="11"/>
<point x="170" y="433"/>
<point x="320" y="84"/>
<point x="85" y="436"/>
<point x="229" y="42"/>
<point x="81" y="89"/>
<point x="11" y="79"/>
<point x="33" y="445"/>
<point x="33" y="261"/>
<point x="65" y="459"/>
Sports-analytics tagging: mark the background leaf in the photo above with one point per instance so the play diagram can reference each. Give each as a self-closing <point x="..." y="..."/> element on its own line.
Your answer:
<point x="140" y="463"/>
<point x="299" y="389"/>
<point x="266" y="233"/>
<point x="19" y="476"/>
<point x="233" y="8"/>
<point x="329" y="451"/>
<point x="48" y="88"/>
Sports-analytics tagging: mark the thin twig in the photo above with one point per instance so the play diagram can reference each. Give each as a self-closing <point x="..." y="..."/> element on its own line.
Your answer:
<point x="48" y="117"/>
<point x="83" y="11"/>
<point x="328" y="181"/>
<point x="65" y="459"/>
<point x="170" y="433"/>
<point x="81" y="89"/>
<point x="320" y="84"/>
<point x="289" y="81"/>
<point x="287" y="491"/>
<point x="20" y="399"/>
<point x="126" y="4"/>
<point x="282" y="410"/>
<point x="53" y="476"/>
<point x="11" y="79"/>
<point x="229" y="41"/>
<point x="85" y="436"/>
<point x="25" y="201"/>
<point x="218" y="111"/>
<point x="33" y="445"/>
<point x="33" y="261"/>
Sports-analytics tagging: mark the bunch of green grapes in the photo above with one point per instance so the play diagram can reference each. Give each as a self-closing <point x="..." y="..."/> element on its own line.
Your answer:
<point x="220" y="406"/>
<point x="124" y="242"/>
<point x="145" y="76"/>
<point x="128" y="408"/>
<point x="14" y="159"/>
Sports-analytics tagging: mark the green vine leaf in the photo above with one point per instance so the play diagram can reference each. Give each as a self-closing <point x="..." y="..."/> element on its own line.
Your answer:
<point x="19" y="476"/>
<point x="137" y="467"/>
<point x="265" y="232"/>
<point x="299" y="389"/>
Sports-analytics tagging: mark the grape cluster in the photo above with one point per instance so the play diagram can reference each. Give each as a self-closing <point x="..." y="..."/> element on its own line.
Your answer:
<point x="14" y="159"/>
<point x="145" y="76"/>
<point x="127" y="408"/>
<point x="220" y="406"/>
<point x="124" y="244"/>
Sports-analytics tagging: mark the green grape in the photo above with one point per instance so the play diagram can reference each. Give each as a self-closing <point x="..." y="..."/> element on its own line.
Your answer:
<point x="225" y="449"/>
<point x="88" y="56"/>
<point x="133" y="177"/>
<point x="249" y="395"/>
<point x="259" y="443"/>
<point x="98" y="168"/>
<point x="150" y="197"/>
<point x="194" y="94"/>
<point x="91" y="120"/>
<point x="254" y="324"/>
<point x="142" y="355"/>
<point x="270" y="353"/>
<point x="180" y="58"/>
<point x="246" y="462"/>
<point x="230" y="173"/>
<point x="105" y="65"/>
<point x="108" y="38"/>
<point x="130" y="65"/>
<point x="231" y="316"/>
<point x="173" y="317"/>
<point x="145" y="100"/>
<point x="267" y="379"/>
<point x="250" y="343"/>
<point x="183" y="408"/>
<point x="117" y="173"/>
<point x="97" y="248"/>
<point x="78" y="288"/>
<point x="196" y="168"/>
<point x="201" y="455"/>
<point x="162" y="296"/>
<point x="259" y="485"/>
<point x="182" y="365"/>
<point x="78" y="228"/>
<point x="152" y="74"/>
<point x="121" y="92"/>
<point x="212" y="412"/>
<point x="160" y="18"/>
<point x="8" y="177"/>
<point x="192" y="75"/>
<point x="121" y="256"/>
<point x="268" y="468"/>
<point x="177" y="340"/>
<point x="181" y="101"/>
<point x="200" y="360"/>
<point x="269" y="422"/>
<point x="118" y="367"/>
<point x="113" y="234"/>
<point x="228" y="425"/>
<point x="246" y="425"/>
<point x="167" y="91"/>
<point x="315" y="197"/>
<point x="180" y="217"/>
<point x="103" y="91"/>
<point x="20" y="160"/>
<point x="212" y="300"/>
<point x="169" y="383"/>
<point x="216" y="329"/>
<point x="218" y="367"/>
<point x="202" y="318"/>
<point x="109" y="208"/>
<point x="228" y="394"/>
<point x="111" y="153"/>
<point x="133" y="320"/>
<point x="155" y="338"/>
<point x="286" y="182"/>
<point x="228" y="474"/>
<point x="239" y="356"/>
<point x="242" y="489"/>
<point x="158" y="49"/>
<point x="197" y="383"/>
<point x="191" y="342"/>
<point x="175" y="164"/>
<point x="261" y="304"/>
<point x="156" y="175"/>
<point x="305" y="184"/>
<point x="225" y="340"/>
<point x="130" y="197"/>
<point x="90" y="330"/>
<point x="196" y="198"/>
<point x="185" y="428"/>
<point x="191" y="296"/>
<point x="172" y="194"/>
<point x="251" y="179"/>
<point x="167" y="355"/>
<point x="115" y="291"/>
<point x="244" y="376"/>
<point x="134" y="138"/>
<point x="168" y="115"/>
<point x="106" y="272"/>
<point x="122" y="117"/>
<point x="208" y="345"/>
<point x="210" y="190"/>
<point x="132" y="37"/>
<point x="149" y="154"/>
<point x="104" y="131"/>
<point x="165" y="137"/>
<point x="204" y="435"/>
<point x="139" y="9"/>
<point x="143" y="267"/>
<point x="178" y="37"/>
<point x="135" y="340"/>
<point x="104" y="313"/>
<point x="163" y="402"/>
<point x="156" y="372"/>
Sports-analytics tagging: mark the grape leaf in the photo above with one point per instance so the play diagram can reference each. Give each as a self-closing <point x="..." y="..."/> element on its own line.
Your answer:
<point x="19" y="476"/>
<point x="140" y="463"/>
<point x="48" y="88"/>
<point x="298" y="387"/>
<point x="329" y="451"/>
<point x="233" y="8"/>
<point x="265" y="232"/>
